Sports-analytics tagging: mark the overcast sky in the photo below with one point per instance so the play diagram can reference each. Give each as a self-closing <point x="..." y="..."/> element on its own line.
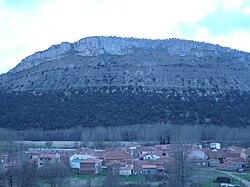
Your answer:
<point x="27" y="26"/>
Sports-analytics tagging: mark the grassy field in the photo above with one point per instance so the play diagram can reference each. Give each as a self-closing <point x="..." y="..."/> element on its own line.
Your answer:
<point x="243" y="175"/>
<point x="205" y="178"/>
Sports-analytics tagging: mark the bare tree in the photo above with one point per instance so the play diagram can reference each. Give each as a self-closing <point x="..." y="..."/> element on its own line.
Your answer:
<point x="24" y="175"/>
<point x="180" y="171"/>
<point x="55" y="173"/>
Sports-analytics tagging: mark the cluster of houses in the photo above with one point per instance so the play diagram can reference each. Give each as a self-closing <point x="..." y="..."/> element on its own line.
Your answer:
<point x="135" y="159"/>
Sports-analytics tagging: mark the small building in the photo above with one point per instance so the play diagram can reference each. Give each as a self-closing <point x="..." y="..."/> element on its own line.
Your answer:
<point x="114" y="166"/>
<point x="214" y="145"/>
<point x="119" y="168"/>
<point x="90" y="166"/>
<point x="125" y="171"/>
<point x="219" y="154"/>
<point x="84" y="153"/>
<point x="231" y="165"/>
<point x="120" y="156"/>
<point x="149" y="169"/>
<point x="148" y="166"/>
<point x="50" y="158"/>
<point x="76" y="159"/>
<point x="149" y="156"/>
<point x="142" y="150"/>
<point x="197" y="162"/>
<point x="245" y="154"/>
<point x="213" y="162"/>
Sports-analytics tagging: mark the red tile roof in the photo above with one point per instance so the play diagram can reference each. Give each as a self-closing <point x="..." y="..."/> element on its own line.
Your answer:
<point x="114" y="162"/>
<point x="247" y="151"/>
<point x="90" y="160"/>
<point x="48" y="155"/>
<point x="236" y="159"/>
<point x="153" y="166"/>
<point x="116" y="155"/>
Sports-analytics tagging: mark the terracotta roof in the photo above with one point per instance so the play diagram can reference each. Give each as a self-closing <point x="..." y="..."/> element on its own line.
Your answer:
<point x="247" y="151"/>
<point x="114" y="162"/>
<point x="164" y="147"/>
<point x="220" y="153"/>
<point x="48" y="155"/>
<point x="227" y="164"/>
<point x="144" y="149"/>
<point x="234" y="149"/>
<point x="153" y="166"/>
<point x="236" y="159"/>
<point x="90" y="160"/>
<point x="116" y="155"/>
<point x="115" y="149"/>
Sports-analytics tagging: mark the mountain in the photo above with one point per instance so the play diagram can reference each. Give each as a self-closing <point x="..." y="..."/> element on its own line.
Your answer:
<point x="120" y="81"/>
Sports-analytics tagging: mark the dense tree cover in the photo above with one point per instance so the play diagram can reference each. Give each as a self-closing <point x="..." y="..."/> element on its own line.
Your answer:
<point x="114" y="107"/>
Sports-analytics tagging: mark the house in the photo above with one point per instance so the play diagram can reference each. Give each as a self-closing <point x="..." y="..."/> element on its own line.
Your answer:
<point x="76" y="159"/>
<point x="149" y="169"/>
<point x="116" y="155"/>
<point x="120" y="168"/>
<point x="231" y="165"/>
<point x="148" y="166"/>
<point x="165" y="149"/>
<point x="131" y="148"/>
<point x="213" y="162"/>
<point x="125" y="171"/>
<point x="114" y="166"/>
<point x="33" y="154"/>
<point x="195" y="162"/>
<point x="142" y="150"/>
<point x="84" y="153"/>
<point x="219" y="154"/>
<point x="214" y="145"/>
<point x="245" y="154"/>
<point x="149" y="156"/>
<point x="195" y="153"/>
<point x="90" y="166"/>
<point x="233" y="151"/>
<point x="50" y="158"/>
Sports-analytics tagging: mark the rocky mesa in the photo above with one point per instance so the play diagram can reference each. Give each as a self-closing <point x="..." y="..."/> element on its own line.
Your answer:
<point x="120" y="81"/>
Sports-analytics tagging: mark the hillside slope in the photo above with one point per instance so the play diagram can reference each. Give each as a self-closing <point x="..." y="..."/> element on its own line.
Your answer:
<point x="123" y="81"/>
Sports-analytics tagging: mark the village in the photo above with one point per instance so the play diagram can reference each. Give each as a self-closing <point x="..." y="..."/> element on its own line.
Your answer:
<point x="135" y="159"/>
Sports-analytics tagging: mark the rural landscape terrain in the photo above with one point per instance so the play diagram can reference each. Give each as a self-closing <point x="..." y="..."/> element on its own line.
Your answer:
<point x="113" y="112"/>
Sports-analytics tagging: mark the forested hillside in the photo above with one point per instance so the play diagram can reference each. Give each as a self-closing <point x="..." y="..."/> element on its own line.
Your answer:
<point x="86" y="108"/>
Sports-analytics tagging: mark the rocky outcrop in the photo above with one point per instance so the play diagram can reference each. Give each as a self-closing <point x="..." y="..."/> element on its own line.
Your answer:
<point x="122" y="62"/>
<point x="94" y="46"/>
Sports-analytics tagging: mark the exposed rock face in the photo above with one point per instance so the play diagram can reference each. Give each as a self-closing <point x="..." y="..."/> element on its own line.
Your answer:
<point x="107" y="61"/>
